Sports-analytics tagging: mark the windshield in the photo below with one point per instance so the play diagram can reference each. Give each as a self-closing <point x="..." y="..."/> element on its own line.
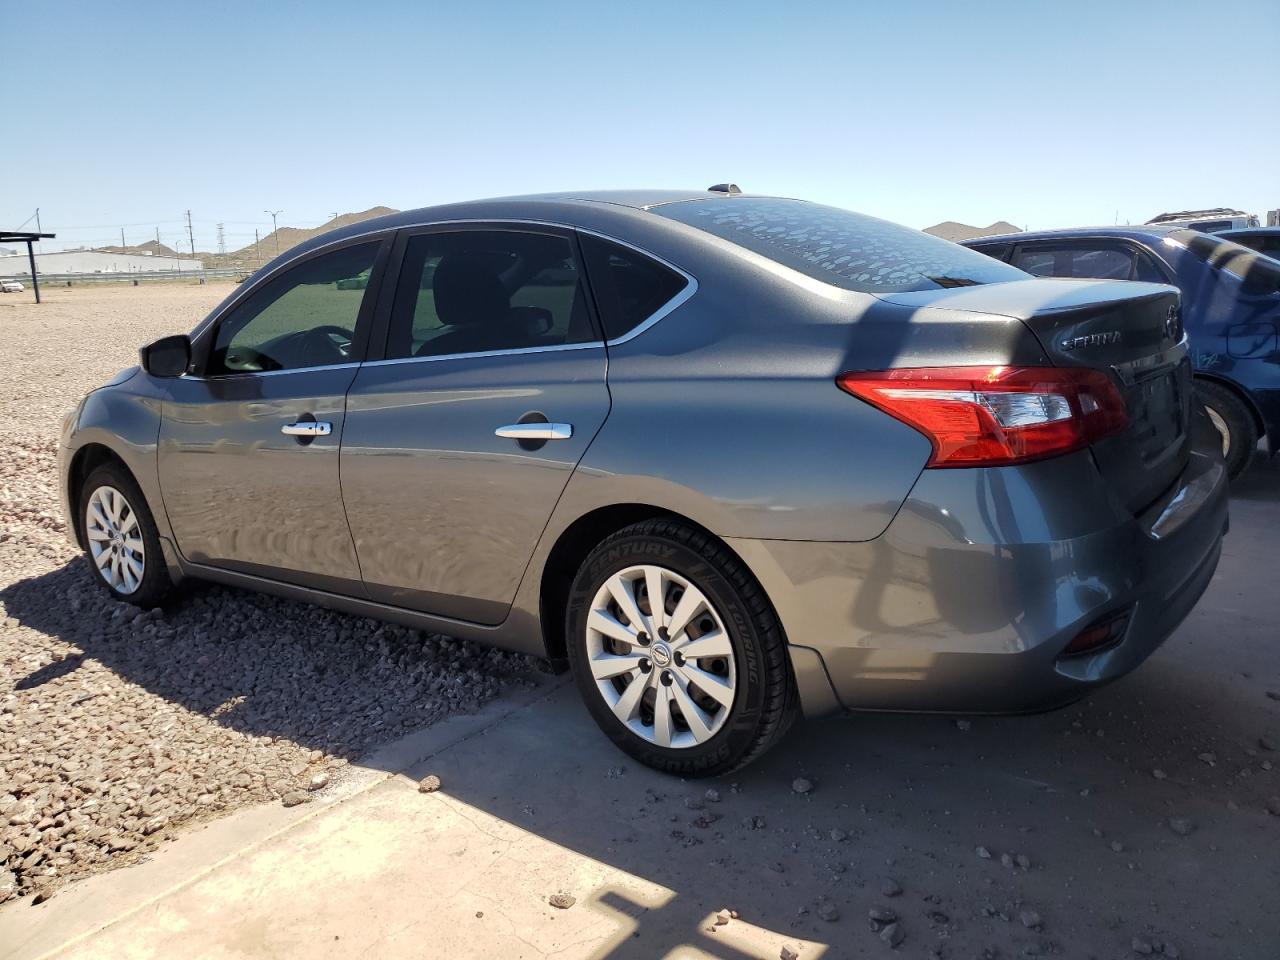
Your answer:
<point x="840" y="247"/>
<point x="1258" y="272"/>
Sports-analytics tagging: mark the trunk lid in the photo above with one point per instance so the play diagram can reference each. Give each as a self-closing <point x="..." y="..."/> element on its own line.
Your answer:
<point x="1133" y="331"/>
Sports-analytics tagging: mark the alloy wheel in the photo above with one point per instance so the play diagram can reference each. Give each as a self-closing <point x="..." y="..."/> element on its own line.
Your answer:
<point x="661" y="656"/>
<point x="115" y="540"/>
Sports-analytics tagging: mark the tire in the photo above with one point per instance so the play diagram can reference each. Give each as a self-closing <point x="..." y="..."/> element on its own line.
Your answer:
<point x="744" y="659"/>
<point x="1234" y="423"/>
<point x="107" y="486"/>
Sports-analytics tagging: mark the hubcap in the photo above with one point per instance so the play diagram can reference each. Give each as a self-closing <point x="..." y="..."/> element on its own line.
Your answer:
<point x="115" y="540"/>
<point x="661" y="656"/>
<point x="1220" y="425"/>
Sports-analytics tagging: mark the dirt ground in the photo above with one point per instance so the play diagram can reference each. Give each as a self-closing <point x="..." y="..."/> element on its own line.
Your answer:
<point x="1144" y="821"/>
<point x="117" y="727"/>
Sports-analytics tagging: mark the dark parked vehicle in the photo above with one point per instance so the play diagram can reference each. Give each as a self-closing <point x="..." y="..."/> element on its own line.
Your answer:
<point x="1230" y="308"/>
<point x="729" y="457"/>
<point x="1263" y="239"/>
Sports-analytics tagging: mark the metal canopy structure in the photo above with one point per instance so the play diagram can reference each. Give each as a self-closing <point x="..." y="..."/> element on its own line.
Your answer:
<point x="17" y="236"/>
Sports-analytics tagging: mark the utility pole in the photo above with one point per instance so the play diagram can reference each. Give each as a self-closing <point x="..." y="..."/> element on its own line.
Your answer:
<point x="333" y="216"/>
<point x="257" y="255"/>
<point x="222" y="241"/>
<point x="274" y="228"/>
<point x="191" y="236"/>
<point x="122" y="243"/>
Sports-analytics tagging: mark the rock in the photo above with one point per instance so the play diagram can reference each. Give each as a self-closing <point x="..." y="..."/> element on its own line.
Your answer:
<point x="318" y="781"/>
<point x="1181" y="826"/>
<point x="881" y="915"/>
<point x="890" y="887"/>
<point x="294" y="797"/>
<point x="1170" y="951"/>
<point x="41" y="896"/>
<point x="8" y="885"/>
<point x="1030" y="919"/>
<point x="1273" y="806"/>
<point x="1142" y="946"/>
<point x="828" y="912"/>
<point x="1266" y="743"/>
<point x="788" y="954"/>
<point x="1006" y="861"/>
<point x="1023" y="861"/>
<point x="838" y="836"/>
<point x="712" y="795"/>
<point x="1159" y="774"/>
<point x="1209" y="758"/>
<point x="801" y="785"/>
<point x="1117" y="846"/>
<point x="429" y="784"/>
<point x="893" y="934"/>
<point x="561" y="901"/>
<point x="984" y="853"/>
<point x="964" y="725"/>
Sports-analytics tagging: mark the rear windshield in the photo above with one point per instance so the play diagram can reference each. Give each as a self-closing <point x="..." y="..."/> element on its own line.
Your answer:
<point x="840" y="247"/>
<point x="1259" y="272"/>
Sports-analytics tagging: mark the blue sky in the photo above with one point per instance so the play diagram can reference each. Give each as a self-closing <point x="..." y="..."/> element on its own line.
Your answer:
<point x="1045" y="114"/>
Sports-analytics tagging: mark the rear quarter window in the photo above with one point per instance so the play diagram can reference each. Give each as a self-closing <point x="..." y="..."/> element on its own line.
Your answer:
<point x="629" y="287"/>
<point x="840" y="247"/>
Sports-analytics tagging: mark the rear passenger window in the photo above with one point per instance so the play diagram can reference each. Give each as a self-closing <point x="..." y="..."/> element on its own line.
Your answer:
<point x="479" y="291"/>
<point x="1101" y="264"/>
<point x="1038" y="263"/>
<point x="629" y="287"/>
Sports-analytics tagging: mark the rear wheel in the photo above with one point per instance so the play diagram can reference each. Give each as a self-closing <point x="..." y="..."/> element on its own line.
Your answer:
<point x="121" y="539"/>
<point x="1234" y="423"/>
<point x="677" y="652"/>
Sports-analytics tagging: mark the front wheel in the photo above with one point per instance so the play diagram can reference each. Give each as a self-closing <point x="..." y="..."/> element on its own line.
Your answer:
<point x="677" y="651"/>
<point x="1234" y="423"/>
<point x="121" y="539"/>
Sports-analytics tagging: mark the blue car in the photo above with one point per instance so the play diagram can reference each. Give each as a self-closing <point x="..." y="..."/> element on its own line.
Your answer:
<point x="1230" y="309"/>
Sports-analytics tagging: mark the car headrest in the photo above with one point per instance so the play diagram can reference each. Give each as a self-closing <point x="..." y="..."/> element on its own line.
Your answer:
<point x="468" y="291"/>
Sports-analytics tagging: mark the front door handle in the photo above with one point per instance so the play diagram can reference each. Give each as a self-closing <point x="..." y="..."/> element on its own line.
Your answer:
<point x="535" y="431"/>
<point x="307" y="428"/>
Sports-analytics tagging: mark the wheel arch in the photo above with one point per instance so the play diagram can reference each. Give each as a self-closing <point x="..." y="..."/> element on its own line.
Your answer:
<point x="1240" y="394"/>
<point x="577" y="540"/>
<point x="83" y="462"/>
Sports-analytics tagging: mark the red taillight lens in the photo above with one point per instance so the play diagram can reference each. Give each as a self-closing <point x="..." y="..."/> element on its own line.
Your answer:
<point x="989" y="416"/>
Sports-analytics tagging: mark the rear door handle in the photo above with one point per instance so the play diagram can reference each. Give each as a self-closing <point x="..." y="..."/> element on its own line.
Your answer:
<point x="535" y="431"/>
<point x="307" y="428"/>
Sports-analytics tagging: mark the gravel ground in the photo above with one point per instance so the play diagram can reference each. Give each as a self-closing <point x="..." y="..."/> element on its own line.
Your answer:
<point x="117" y="727"/>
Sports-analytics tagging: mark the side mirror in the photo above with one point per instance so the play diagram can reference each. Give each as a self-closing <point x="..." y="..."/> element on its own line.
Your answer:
<point x="167" y="357"/>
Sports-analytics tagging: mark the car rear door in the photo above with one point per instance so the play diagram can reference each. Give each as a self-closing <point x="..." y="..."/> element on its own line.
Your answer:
<point x="460" y="439"/>
<point x="248" y="446"/>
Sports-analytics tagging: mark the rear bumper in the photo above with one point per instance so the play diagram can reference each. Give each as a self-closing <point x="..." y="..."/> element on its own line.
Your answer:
<point x="967" y="601"/>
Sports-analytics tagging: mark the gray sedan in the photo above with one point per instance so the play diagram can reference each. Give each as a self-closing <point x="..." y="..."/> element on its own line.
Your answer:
<point x="731" y="458"/>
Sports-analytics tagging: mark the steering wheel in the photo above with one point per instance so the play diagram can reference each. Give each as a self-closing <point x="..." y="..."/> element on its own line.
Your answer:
<point x="335" y="338"/>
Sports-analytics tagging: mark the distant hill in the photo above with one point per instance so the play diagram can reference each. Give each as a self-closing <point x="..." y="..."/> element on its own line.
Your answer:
<point x="150" y="247"/>
<point x="955" y="232"/>
<point x="266" y="250"/>
<point x="292" y="236"/>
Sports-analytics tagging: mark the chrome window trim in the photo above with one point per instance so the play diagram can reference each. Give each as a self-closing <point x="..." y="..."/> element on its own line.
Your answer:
<point x="224" y="377"/>
<point x="481" y="354"/>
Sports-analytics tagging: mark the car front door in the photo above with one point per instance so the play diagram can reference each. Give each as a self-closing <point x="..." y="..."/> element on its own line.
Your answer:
<point x="460" y="440"/>
<point x="249" y="441"/>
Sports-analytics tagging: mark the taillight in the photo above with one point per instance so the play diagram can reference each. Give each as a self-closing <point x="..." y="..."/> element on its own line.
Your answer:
<point x="989" y="416"/>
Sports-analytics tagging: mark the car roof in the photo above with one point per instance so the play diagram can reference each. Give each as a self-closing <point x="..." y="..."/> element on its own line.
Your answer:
<point x="1147" y="230"/>
<point x="587" y="209"/>
<point x="1250" y="232"/>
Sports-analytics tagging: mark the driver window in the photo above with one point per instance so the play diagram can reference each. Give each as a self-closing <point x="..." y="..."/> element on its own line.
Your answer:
<point x="306" y="317"/>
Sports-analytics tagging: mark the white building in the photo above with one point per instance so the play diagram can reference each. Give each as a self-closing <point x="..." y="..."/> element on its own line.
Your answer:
<point x="95" y="262"/>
